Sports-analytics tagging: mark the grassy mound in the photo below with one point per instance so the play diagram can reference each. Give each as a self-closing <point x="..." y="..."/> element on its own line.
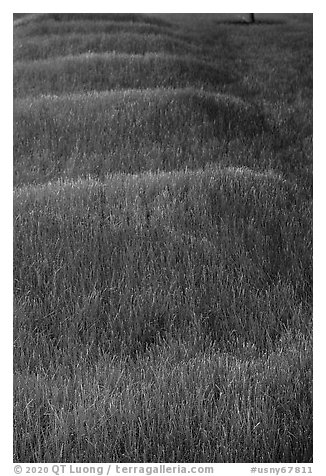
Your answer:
<point x="226" y="251"/>
<point x="163" y="407"/>
<point x="118" y="17"/>
<point x="164" y="314"/>
<point x="133" y="130"/>
<point x="81" y="17"/>
<point x="146" y="302"/>
<point x="88" y="27"/>
<point x="97" y="72"/>
<point x="121" y="41"/>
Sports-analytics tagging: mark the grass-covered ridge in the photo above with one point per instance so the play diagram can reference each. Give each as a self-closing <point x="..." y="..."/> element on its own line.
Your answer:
<point x="118" y="17"/>
<point x="131" y="130"/>
<point x="103" y="71"/>
<point x="187" y="306"/>
<point x="121" y="41"/>
<point x="82" y="17"/>
<point x="167" y="237"/>
<point x="163" y="408"/>
<point x="48" y="28"/>
<point x="162" y="238"/>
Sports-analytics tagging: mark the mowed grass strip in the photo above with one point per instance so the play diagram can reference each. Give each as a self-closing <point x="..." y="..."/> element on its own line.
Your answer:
<point x="123" y="42"/>
<point x="97" y="72"/>
<point x="177" y="404"/>
<point x="134" y="130"/>
<point x="120" y="263"/>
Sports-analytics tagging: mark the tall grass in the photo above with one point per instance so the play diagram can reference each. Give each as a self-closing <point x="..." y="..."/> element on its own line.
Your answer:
<point x="128" y="131"/>
<point x="162" y="314"/>
<point x="122" y="42"/>
<point x="118" y="17"/>
<point x="49" y="27"/>
<point x="113" y="271"/>
<point x="97" y="72"/>
<point x="177" y="404"/>
<point x="155" y="252"/>
<point x="75" y="17"/>
<point x="138" y="130"/>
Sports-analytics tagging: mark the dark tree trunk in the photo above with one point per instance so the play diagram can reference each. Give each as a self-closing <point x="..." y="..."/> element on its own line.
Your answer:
<point x="251" y="18"/>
